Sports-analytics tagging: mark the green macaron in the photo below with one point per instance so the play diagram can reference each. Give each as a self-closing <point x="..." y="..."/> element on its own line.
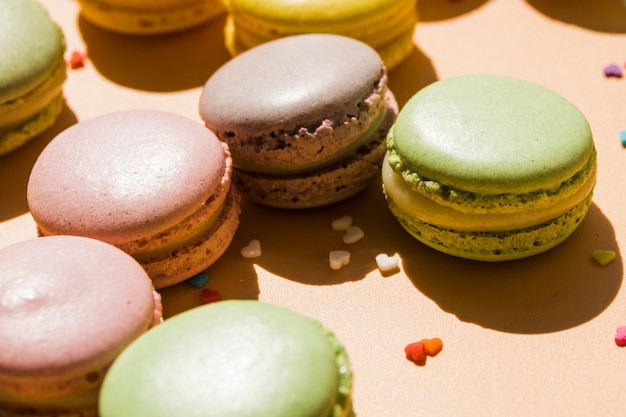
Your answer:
<point x="489" y="168"/>
<point x="32" y="72"/>
<point x="239" y="358"/>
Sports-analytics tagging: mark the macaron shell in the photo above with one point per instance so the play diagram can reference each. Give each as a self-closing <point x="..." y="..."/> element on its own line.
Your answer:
<point x="32" y="47"/>
<point x="231" y="358"/>
<point x="492" y="135"/>
<point x="123" y="176"/>
<point x="69" y="306"/>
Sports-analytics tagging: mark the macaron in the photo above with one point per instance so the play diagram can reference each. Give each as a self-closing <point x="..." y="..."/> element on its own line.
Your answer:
<point x="149" y="17"/>
<point x="155" y="184"/>
<point x="489" y="168"/>
<point x="32" y="72"/>
<point x="386" y="25"/>
<point x="304" y="116"/>
<point x="68" y="306"/>
<point x="238" y="358"/>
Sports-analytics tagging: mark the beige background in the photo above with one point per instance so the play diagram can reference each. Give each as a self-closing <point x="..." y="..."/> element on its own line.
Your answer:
<point x="530" y="337"/>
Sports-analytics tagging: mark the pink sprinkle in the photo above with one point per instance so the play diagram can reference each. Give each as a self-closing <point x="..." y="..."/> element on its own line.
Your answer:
<point x="209" y="296"/>
<point x="77" y="59"/>
<point x="613" y="70"/>
<point x="620" y="336"/>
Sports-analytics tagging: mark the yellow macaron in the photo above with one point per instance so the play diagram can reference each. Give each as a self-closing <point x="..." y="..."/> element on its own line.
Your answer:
<point x="386" y="25"/>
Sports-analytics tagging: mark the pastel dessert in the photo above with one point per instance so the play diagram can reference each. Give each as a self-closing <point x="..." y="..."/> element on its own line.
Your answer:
<point x="32" y="72"/>
<point x="489" y="168"/>
<point x="240" y="358"/>
<point x="68" y="306"/>
<point x="305" y="118"/>
<point x="386" y="25"/>
<point x="149" y="17"/>
<point x="154" y="184"/>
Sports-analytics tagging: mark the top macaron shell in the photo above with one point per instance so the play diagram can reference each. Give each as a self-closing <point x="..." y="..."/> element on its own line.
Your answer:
<point x="68" y="305"/>
<point x="473" y="133"/>
<point x="124" y="176"/>
<point x="284" y="86"/>
<point x="237" y="358"/>
<point x="31" y="42"/>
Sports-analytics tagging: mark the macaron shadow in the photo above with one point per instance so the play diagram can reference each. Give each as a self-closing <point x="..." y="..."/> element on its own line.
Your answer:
<point x="435" y="10"/>
<point x="411" y="75"/>
<point x="17" y="165"/>
<point x="556" y="290"/>
<point x="600" y="15"/>
<point x="160" y="63"/>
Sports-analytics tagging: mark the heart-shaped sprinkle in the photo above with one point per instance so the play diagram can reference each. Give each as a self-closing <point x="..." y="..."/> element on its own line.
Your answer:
<point x="253" y="250"/>
<point x="342" y="223"/>
<point x="209" y="296"/>
<point x="603" y="257"/>
<point x="353" y="234"/>
<point x="432" y="346"/>
<point x="387" y="263"/>
<point x="338" y="258"/>
<point x="620" y="336"/>
<point x="198" y="280"/>
<point x="613" y="70"/>
<point x="416" y="353"/>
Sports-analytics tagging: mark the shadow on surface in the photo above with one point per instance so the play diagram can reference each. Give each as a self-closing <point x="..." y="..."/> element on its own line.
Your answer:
<point x="411" y="75"/>
<point x="553" y="291"/>
<point x="15" y="167"/>
<point x="434" y="10"/>
<point x="599" y="15"/>
<point x="163" y="63"/>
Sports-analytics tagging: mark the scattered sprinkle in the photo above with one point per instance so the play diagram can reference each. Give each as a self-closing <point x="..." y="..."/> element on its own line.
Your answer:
<point x="341" y="224"/>
<point x="353" y="234"/>
<point x="338" y="259"/>
<point x="387" y="263"/>
<point x="199" y="280"/>
<point x="622" y="137"/>
<point x="253" y="250"/>
<point x="620" y="336"/>
<point x="209" y="296"/>
<point x="603" y="257"/>
<point x="77" y="59"/>
<point x="416" y="353"/>
<point x="613" y="70"/>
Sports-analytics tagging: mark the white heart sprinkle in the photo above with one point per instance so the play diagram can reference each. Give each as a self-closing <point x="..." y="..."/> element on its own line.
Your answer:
<point x="253" y="250"/>
<point x="342" y="223"/>
<point x="338" y="258"/>
<point x="353" y="234"/>
<point x="387" y="263"/>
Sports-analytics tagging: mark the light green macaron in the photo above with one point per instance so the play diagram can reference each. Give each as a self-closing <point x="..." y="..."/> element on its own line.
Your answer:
<point x="32" y="72"/>
<point x="489" y="168"/>
<point x="239" y="358"/>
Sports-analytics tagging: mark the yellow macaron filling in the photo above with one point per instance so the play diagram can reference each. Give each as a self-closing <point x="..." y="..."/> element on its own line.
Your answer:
<point x="428" y="211"/>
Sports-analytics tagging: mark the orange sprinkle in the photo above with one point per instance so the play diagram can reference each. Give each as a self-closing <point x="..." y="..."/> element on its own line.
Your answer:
<point x="209" y="296"/>
<point x="432" y="346"/>
<point x="77" y="59"/>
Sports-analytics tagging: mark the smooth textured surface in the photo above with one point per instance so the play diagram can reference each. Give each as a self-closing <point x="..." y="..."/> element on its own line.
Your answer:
<point x="528" y="337"/>
<point x="231" y="359"/>
<point x="68" y="306"/>
<point x="386" y="25"/>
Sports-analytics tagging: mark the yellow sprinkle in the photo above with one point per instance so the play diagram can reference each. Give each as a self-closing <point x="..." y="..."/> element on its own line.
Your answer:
<point x="603" y="257"/>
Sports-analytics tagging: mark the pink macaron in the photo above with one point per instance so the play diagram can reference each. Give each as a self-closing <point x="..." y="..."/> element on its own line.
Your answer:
<point x="68" y="306"/>
<point x="155" y="184"/>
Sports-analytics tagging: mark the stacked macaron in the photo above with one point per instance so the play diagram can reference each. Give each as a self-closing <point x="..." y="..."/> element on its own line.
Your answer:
<point x="154" y="184"/>
<point x="386" y="25"/>
<point x="68" y="306"/>
<point x="490" y="168"/>
<point x="32" y="72"/>
<point x="149" y="17"/>
<point x="304" y="116"/>
<point x="239" y="358"/>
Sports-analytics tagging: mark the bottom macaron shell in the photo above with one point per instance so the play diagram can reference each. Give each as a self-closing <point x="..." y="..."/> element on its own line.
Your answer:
<point x="172" y="268"/>
<point x="495" y="246"/>
<point x="317" y="188"/>
<point x="14" y="138"/>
